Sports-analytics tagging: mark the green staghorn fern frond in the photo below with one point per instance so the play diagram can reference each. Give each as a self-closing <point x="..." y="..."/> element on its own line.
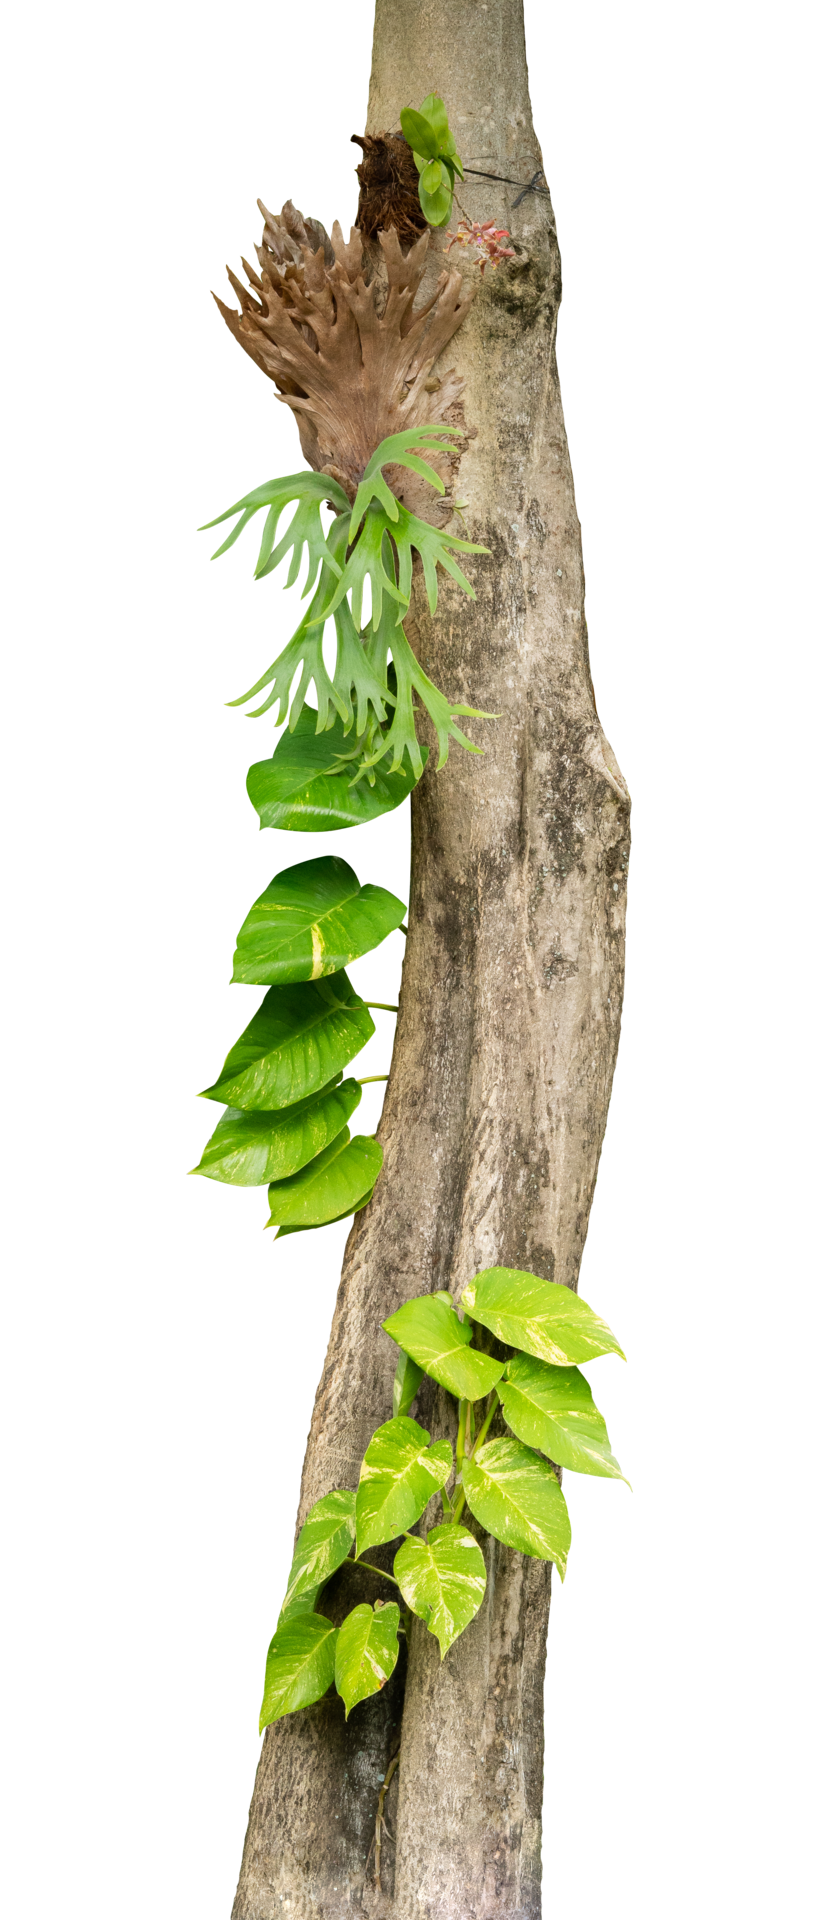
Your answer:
<point x="375" y="669"/>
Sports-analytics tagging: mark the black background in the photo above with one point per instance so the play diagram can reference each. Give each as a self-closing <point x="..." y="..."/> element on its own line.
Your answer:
<point x="233" y="1391"/>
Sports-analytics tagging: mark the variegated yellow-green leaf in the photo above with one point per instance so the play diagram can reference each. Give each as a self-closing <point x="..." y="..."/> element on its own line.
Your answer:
<point x="332" y="1184"/>
<point x="443" y="1580"/>
<point x="546" y="1320"/>
<point x="250" y="1149"/>
<point x="323" y="1544"/>
<point x="552" y="1408"/>
<point x="399" y="1473"/>
<point x="300" y="1666"/>
<point x="428" y="1329"/>
<point x="366" y="1652"/>
<point x="517" y="1497"/>
<point x="299" y="1039"/>
<point x="311" y="921"/>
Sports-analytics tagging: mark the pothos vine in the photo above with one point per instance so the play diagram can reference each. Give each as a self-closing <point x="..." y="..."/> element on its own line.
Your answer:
<point x="510" y="1352"/>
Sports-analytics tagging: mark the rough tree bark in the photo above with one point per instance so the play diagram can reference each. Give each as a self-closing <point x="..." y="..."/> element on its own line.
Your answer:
<point x="502" y="1066"/>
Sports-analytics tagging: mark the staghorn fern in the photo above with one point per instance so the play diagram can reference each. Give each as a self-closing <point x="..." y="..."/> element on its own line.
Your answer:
<point x="374" y="540"/>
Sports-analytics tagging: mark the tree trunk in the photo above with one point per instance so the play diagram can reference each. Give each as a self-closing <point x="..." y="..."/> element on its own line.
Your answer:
<point x="502" y="1065"/>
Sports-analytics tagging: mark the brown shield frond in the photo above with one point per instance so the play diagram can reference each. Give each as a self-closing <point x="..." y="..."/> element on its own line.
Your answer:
<point x="353" y="360"/>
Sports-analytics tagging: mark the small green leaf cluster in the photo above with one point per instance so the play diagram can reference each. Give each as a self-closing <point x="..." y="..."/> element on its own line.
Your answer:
<point x="288" y="1106"/>
<point x="438" y="163"/>
<point x="368" y="697"/>
<point x="534" y="1336"/>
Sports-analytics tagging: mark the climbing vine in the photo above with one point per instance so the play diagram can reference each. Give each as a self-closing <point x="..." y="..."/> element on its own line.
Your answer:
<point x="355" y="365"/>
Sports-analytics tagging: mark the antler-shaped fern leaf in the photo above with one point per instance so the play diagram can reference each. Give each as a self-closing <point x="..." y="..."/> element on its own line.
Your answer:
<point x="304" y="529"/>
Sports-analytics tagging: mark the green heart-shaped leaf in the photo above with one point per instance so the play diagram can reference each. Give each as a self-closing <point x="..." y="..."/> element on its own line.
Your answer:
<point x="299" y="1039"/>
<point x="300" y="1665"/>
<point x="249" y="1149"/>
<point x="323" y="1544"/>
<point x="517" y="1497"/>
<point x="366" y="1652"/>
<point x="399" y="1474"/>
<point x="357" y="1207"/>
<point x="443" y="1580"/>
<point x="332" y="1184"/>
<point x="428" y="1329"/>
<point x="546" y="1320"/>
<point x="552" y="1408"/>
<point x="311" y="921"/>
<point x="296" y="792"/>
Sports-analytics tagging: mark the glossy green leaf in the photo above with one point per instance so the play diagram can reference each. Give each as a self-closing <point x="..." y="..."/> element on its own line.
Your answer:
<point x="323" y="1543"/>
<point x="298" y="1040"/>
<point x="406" y="1385"/>
<point x="366" y="1652"/>
<point x="443" y="1580"/>
<point x="311" y="921"/>
<point x="435" y="206"/>
<point x="435" y="114"/>
<point x="301" y="1603"/>
<point x="421" y="137"/>
<point x="552" y="1408"/>
<point x="399" y="1474"/>
<point x="300" y="1666"/>
<point x="429" y="1330"/>
<point x="305" y="1227"/>
<point x="432" y="176"/>
<point x="297" y="792"/>
<point x="250" y="1149"/>
<point x="332" y="1184"/>
<point x="546" y="1320"/>
<point x="515" y="1495"/>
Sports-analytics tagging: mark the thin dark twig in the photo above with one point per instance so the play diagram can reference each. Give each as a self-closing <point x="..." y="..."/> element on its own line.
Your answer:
<point x="530" y="187"/>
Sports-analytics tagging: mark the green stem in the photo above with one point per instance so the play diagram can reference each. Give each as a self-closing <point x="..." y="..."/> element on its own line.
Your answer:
<point x="461" y="1435"/>
<point x="371" y="1077"/>
<point x="403" y="929"/>
<point x="379" y="1570"/>
<point x="383" y="1005"/>
<point x="493" y="1403"/>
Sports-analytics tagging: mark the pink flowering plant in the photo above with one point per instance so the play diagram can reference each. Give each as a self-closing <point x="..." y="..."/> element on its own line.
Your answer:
<point x="485" y="239"/>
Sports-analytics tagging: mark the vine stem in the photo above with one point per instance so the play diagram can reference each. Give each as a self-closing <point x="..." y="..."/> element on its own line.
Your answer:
<point x="383" y="1005"/>
<point x="371" y="1077"/>
<point x="379" y="1818"/>
<point x="379" y="1570"/>
<point x="466" y="1410"/>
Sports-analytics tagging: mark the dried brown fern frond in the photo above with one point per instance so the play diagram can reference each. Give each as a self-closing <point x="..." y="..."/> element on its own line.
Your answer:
<point x="354" y="366"/>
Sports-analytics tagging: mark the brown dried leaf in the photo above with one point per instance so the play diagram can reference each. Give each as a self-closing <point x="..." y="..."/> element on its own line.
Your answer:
<point x="352" y="371"/>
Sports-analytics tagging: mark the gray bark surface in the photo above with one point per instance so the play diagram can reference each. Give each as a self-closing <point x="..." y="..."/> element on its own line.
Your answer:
<point x="502" y="1065"/>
